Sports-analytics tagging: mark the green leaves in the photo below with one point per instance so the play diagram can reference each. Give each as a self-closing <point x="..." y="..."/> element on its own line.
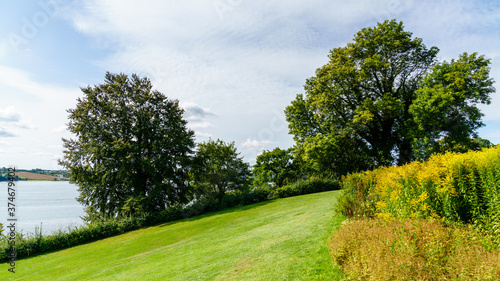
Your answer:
<point x="445" y="108"/>
<point x="276" y="167"/>
<point x="217" y="169"/>
<point x="131" y="142"/>
<point x="386" y="93"/>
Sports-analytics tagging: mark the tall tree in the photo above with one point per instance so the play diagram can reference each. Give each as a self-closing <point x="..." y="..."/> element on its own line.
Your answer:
<point x="132" y="147"/>
<point x="276" y="167"/>
<point x="218" y="168"/>
<point x="445" y="107"/>
<point x="359" y="103"/>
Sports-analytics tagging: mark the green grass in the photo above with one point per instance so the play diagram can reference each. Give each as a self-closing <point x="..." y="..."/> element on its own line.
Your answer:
<point x="284" y="239"/>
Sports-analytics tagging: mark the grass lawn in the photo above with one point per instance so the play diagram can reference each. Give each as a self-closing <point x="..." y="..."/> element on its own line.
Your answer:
<point x="284" y="239"/>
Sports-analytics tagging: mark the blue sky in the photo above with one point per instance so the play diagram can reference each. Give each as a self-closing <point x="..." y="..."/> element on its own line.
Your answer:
<point x="234" y="65"/>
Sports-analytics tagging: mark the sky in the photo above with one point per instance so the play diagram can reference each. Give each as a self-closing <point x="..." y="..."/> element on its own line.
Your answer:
<point x="234" y="65"/>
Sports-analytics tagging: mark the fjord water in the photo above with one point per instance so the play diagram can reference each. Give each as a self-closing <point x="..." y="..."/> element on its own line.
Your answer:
<point x="52" y="203"/>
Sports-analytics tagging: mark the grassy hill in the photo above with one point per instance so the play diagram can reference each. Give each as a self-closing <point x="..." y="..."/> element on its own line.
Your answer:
<point x="284" y="239"/>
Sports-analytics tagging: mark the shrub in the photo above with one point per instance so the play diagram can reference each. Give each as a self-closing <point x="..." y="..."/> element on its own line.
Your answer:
<point x="258" y="194"/>
<point x="355" y="200"/>
<point x="453" y="187"/>
<point x="307" y="186"/>
<point x="375" y="249"/>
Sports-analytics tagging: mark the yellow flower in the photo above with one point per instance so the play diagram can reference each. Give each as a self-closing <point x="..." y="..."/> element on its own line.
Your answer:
<point x="380" y="205"/>
<point x="385" y="216"/>
<point x="424" y="207"/>
<point x="413" y="202"/>
<point x="422" y="197"/>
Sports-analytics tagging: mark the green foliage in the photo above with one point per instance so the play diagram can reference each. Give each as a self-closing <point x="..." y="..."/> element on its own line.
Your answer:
<point x="276" y="167"/>
<point x="55" y="173"/>
<point x="307" y="186"/>
<point x="445" y="108"/>
<point x="35" y="244"/>
<point x="134" y="206"/>
<point x="217" y="169"/>
<point x="355" y="200"/>
<point x="131" y="142"/>
<point x="4" y="175"/>
<point x="370" y="102"/>
<point x="456" y="188"/>
<point x="331" y="156"/>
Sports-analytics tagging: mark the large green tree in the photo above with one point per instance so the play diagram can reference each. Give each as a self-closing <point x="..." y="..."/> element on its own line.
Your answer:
<point x="218" y="168"/>
<point x="445" y="106"/>
<point x="276" y="167"/>
<point x="367" y="106"/>
<point x="131" y="148"/>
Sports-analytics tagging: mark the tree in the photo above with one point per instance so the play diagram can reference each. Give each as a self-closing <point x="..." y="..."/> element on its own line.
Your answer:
<point x="131" y="150"/>
<point x="218" y="169"/>
<point x="360" y="102"/>
<point x="276" y="167"/>
<point x="445" y="107"/>
<point x="332" y="156"/>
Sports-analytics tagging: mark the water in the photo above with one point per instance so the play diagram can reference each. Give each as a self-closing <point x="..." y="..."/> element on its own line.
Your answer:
<point x="51" y="203"/>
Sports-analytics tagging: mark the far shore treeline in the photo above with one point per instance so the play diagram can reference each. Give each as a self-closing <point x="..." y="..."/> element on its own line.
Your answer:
<point x="35" y="174"/>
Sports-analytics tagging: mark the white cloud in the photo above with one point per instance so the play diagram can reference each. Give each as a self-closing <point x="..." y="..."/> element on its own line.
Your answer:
<point x="24" y="84"/>
<point x="9" y="114"/>
<point x="34" y="108"/>
<point x="203" y="135"/>
<point x="6" y="133"/>
<point x="203" y="125"/>
<point x="59" y="129"/>
<point x="13" y="119"/>
<point x="256" y="144"/>
<point x="236" y="66"/>
<point x="48" y="154"/>
<point x="194" y="112"/>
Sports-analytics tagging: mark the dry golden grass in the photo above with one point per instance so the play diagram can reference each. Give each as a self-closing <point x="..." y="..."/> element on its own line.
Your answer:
<point x="374" y="249"/>
<point x="38" y="177"/>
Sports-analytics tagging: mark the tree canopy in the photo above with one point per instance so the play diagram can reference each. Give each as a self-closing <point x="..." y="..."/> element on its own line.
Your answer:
<point x="385" y="99"/>
<point x="131" y="148"/>
<point x="218" y="168"/>
<point x="276" y="167"/>
<point x="445" y="108"/>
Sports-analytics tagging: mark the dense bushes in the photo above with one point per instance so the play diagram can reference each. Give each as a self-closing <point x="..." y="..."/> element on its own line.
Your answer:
<point x="356" y="200"/>
<point x="433" y="220"/>
<point x="462" y="188"/>
<point x="30" y="245"/>
<point x="375" y="249"/>
<point x="306" y="186"/>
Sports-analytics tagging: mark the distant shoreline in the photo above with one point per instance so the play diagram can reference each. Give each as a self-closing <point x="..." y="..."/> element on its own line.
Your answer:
<point x="28" y="176"/>
<point x="35" y="180"/>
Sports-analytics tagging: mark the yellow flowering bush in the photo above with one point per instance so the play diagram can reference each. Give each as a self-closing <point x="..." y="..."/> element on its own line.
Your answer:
<point x="451" y="187"/>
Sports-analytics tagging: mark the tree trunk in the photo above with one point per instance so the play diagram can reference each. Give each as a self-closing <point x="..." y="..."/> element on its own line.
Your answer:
<point x="405" y="153"/>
